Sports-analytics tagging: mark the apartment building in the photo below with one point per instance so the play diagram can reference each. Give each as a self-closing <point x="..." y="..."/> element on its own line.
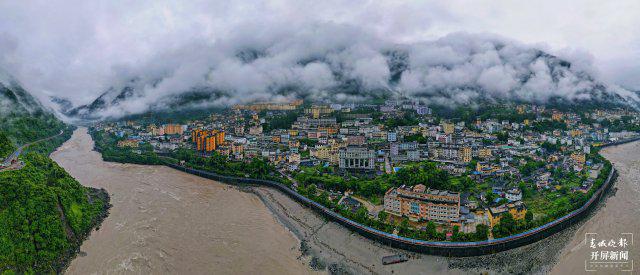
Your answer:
<point x="419" y="203"/>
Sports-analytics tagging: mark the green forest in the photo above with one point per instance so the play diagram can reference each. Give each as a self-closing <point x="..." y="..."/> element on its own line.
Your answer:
<point x="45" y="214"/>
<point x="6" y="146"/>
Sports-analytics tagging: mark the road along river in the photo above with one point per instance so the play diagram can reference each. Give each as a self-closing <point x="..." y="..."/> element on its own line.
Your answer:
<point x="164" y="221"/>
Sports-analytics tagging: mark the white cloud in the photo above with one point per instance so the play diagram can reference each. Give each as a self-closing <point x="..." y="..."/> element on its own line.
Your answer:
<point x="78" y="49"/>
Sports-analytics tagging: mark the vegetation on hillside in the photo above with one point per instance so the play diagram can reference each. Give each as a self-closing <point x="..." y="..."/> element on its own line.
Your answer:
<point x="6" y="146"/>
<point x="44" y="213"/>
<point x="44" y="216"/>
<point x="22" y="129"/>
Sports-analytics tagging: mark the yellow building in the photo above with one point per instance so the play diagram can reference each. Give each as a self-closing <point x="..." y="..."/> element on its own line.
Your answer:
<point x="173" y="129"/>
<point x="465" y="154"/>
<point x="448" y="128"/>
<point x="516" y="209"/>
<point x="579" y="158"/>
<point x="557" y="116"/>
<point x="131" y="143"/>
<point x="207" y="140"/>
<point x="317" y="111"/>
<point x="210" y="143"/>
<point x="484" y="153"/>
<point x="486" y="168"/>
<point x="237" y="148"/>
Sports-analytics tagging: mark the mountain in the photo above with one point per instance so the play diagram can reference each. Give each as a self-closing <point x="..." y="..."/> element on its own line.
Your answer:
<point x="14" y="99"/>
<point x="45" y="214"/>
<point x="460" y="69"/>
<point x="131" y="91"/>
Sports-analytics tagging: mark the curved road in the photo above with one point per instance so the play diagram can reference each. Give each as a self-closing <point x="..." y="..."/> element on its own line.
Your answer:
<point x="14" y="156"/>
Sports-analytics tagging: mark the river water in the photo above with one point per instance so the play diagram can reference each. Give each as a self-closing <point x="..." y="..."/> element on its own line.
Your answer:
<point x="163" y="221"/>
<point x="619" y="214"/>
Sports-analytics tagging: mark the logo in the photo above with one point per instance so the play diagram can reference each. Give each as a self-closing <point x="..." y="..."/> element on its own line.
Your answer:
<point x="609" y="253"/>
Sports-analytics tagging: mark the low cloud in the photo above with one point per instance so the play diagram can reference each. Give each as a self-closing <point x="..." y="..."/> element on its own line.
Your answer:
<point x="331" y="62"/>
<point x="243" y="51"/>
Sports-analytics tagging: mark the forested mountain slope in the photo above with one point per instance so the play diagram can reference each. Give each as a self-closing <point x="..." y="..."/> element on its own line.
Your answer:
<point x="45" y="214"/>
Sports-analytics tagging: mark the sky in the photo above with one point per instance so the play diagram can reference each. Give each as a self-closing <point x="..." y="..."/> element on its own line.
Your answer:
<point x="78" y="49"/>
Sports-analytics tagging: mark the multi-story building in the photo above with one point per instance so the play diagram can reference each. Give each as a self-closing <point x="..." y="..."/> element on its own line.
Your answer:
<point x="513" y="194"/>
<point x="207" y="140"/>
<point x="448" y="128"/>
<point x="465" y="154"/>
<point x="357" y="158"/>
<point x="317" y="111"/>
<point x="173" y="129"/>
<point x="484" y="153"/>
<point x="419" y="203"/>
<point x="579" y="158"/>
<point x="516" y="209"/>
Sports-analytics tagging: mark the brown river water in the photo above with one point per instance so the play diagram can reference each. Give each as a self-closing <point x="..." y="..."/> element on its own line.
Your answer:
<point x="166" y="222"/>
<point x="620" y="213"/>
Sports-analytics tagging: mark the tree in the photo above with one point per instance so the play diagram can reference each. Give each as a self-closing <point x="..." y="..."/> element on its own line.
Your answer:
<point x="528" y="216"/>
<point x="362" y="215"/>
<point x="382" y="216"/>
<point x="482" y="232"/>
<point x="431" y="229"/>
<point x="490" y="196"/>
<point x="404" y="225"/>
<point x="311" y="190"/>
<point x="503" y="136"/>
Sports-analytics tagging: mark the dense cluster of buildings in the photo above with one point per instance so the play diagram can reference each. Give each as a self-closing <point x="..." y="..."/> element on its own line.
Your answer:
<point x="357" y="138"/>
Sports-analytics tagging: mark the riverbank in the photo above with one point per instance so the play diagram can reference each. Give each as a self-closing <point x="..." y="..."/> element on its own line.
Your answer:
<point x="618" y="215"/>
<point x="45" y="214"/>
<point x="336" y="249"/>
<point x="94" y="194"/>
<point x="339" y="249"/>
<point x="166" y="222"/>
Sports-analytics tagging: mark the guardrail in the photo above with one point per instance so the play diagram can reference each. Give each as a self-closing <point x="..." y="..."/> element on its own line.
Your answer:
<point x="457" y="249"/>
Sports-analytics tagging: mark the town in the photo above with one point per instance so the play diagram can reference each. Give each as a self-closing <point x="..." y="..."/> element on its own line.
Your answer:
<point x="397" y="165"/>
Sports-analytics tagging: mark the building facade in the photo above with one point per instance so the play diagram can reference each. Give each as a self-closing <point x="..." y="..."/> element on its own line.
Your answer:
<point x="419" y="203"/>
<point x="357" y="158"/>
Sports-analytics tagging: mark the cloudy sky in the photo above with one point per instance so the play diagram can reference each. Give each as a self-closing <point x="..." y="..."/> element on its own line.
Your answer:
<point x="77" y="49"/>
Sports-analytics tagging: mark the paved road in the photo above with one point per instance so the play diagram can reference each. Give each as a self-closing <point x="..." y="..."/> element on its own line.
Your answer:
<point x="18" y="152"/>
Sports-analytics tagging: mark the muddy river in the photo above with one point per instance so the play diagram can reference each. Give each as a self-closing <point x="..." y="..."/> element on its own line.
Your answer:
<point x="163" y="221"/>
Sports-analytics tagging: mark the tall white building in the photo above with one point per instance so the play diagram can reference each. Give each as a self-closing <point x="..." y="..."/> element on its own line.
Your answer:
<point x="357" y="158"/>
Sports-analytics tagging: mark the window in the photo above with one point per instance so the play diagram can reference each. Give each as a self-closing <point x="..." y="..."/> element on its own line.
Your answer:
<point x="415" y="208"/>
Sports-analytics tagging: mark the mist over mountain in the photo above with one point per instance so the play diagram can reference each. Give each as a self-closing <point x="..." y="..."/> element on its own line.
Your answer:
<point x="341" y="64"/>
<point x="14" y="100"/>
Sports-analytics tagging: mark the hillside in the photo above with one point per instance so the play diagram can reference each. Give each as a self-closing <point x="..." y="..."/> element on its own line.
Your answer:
<point x="455" y="70"/>
<point x="45" y="214"/>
